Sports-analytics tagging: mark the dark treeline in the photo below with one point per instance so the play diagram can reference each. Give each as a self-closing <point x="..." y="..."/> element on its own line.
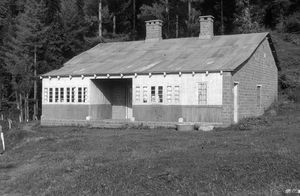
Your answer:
<point x="37" y="36"/>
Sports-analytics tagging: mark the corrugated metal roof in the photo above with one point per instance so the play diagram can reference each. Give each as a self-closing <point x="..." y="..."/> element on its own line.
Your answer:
<point x="224" y="53"/>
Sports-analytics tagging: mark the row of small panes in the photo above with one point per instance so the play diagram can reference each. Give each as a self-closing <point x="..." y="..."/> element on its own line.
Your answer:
<point x="157" y="94"/>
<point x="202" y="93"/>
<point x="58" y="95"/>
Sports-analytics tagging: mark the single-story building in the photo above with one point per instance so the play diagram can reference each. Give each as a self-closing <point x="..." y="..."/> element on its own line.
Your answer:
<point x="205" y="79"/>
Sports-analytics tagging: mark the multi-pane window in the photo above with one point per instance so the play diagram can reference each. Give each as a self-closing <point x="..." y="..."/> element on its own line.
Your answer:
<point x="176" y="94"/>
<point x="50" y="95"/>
<point x="153" y="97"/>
<point x="79" y="95"/>
<point x="258" y="98"/>
<point x="85" y="94"/>
<point x="62" y="95"/>
<point x="56" y="98"/>
<point x="160" y="94"/>
<point x="46" y="94"/>
<point x="68" y="95"/>
<point x="137" y="94"/>
<point x="202" y="93"/>
<point x="169" y="94"/>
<point x="145" y="95"/>
<point x="73" y="95"/>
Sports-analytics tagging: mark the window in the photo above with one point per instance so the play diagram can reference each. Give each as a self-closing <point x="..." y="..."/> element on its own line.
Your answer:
<point x="50" y="95"/>
<point x="46" y="94"/>
<point x="160" y="94"/>
<point x="258" y="94"/>
<point x="202" y="93"/>
<point x="62" y="94"/>
<point x="176" y="94"/>
<point x="85" y="94"/>
<point x="137" y="94"/>
<point x="56" y="95"/>
<point x="73" y="95"/>
<point x="145" y="96"/>
<point x="153" y="94"/>
<point x="169" y="94"/>
<point x="79" y="95"/>
<point x="68" y="95"/>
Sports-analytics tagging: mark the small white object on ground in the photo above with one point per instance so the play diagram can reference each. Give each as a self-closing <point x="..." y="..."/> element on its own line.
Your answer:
<point x="180" y="120"/>
<point x="185" y="127"/>
<point x="206" y="128"/>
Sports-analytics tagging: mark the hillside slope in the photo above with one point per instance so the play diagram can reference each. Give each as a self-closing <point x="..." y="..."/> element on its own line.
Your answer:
<point x="288" y="51"/>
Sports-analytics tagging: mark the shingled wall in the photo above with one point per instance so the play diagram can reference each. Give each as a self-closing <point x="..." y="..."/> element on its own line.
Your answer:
<point x="260" y="69"/>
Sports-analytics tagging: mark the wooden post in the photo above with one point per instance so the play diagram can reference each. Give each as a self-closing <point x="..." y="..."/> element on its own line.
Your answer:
<point x="2" y="139"/>
<point x="9" y="123"/>
<point x="100" y="18"/>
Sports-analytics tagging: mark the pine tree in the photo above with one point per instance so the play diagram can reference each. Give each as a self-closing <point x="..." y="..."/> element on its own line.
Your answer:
<point x="243" y="21"/>
<point x="26" y="37"/>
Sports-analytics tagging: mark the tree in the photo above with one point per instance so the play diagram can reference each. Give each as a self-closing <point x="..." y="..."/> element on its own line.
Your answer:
<point x="243" y="20"/>
<point x="25" y="38"/>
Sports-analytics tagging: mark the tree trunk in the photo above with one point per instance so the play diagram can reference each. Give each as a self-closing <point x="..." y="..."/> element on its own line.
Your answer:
<point x="35" y="86"/>
<point x="1" y="95"/>
<point x="26" y="107"/>
<point x="177" y="26"/>
<point x="222" y="18"/>
<point x="100" y="18"/>
<point x="114" y="25"/>
<point x="168" y="18"/>
<point x="189" y="11"/>
<point x="20" y="106"/>
<point x="134" y="17"/>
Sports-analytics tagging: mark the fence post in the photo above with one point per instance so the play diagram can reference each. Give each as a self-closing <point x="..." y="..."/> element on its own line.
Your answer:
<point x="2" y="138"/>
<point x="9" y="123"/>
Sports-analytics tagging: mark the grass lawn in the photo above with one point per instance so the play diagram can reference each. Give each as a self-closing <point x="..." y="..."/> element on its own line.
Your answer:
<point x="261" y="160"/>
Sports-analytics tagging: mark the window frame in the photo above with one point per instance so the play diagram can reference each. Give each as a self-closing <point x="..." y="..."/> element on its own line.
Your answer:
<point x="160" y="94"/>
<point x="145" y="94"/>
<point x="176" y="96"/>
<point x="137" y="94"/>
<point x="258" y="96"/>
<point x="202" y="89"/>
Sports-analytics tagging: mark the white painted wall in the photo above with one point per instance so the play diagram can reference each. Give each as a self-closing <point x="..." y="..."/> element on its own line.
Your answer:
<point x="188" y="87"/>
<point x="96" y="96"/>
<point x="188" y="84"/>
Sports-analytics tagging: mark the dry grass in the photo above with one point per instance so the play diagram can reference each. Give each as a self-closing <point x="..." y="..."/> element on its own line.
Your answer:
<point x="261" y="160"/>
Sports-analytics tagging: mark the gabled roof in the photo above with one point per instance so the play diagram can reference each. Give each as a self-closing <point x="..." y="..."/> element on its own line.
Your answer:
<point x="223" y="53"/>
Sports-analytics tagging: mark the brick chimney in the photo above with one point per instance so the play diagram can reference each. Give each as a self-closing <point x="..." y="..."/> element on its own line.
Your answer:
<point x="153" y="30"/>
<point x="206" y="27"/>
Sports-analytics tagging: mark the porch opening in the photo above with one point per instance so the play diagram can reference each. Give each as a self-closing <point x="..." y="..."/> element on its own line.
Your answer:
<point x="116" y="95"/>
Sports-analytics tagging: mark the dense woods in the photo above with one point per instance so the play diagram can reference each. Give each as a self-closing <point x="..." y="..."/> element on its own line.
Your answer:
<point x="37" y="36"/>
